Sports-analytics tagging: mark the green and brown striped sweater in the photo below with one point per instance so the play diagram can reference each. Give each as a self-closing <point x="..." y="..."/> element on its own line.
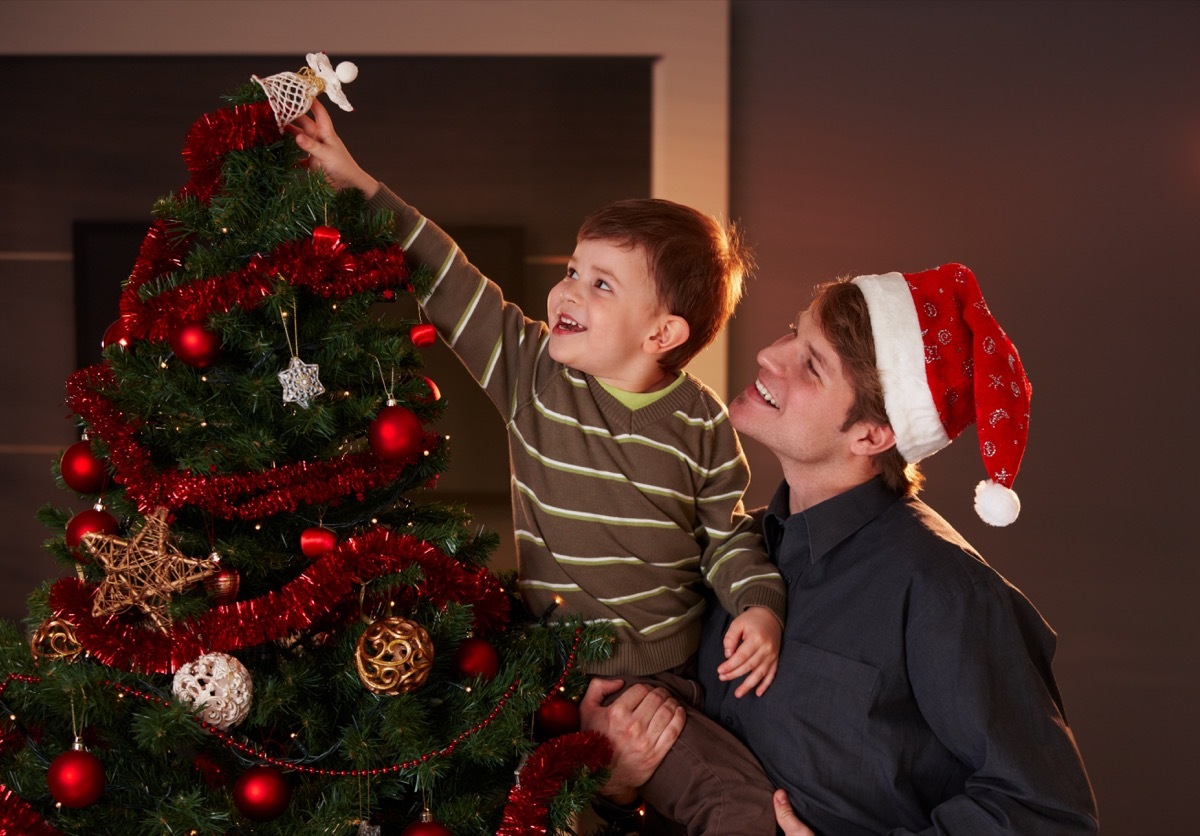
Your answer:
<point x="621" y="516"/>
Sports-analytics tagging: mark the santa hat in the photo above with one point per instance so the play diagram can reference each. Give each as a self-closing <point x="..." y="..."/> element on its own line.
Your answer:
<point x="944" y="363"/>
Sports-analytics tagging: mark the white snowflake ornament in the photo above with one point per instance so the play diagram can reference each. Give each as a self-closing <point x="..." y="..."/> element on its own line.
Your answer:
<point x="300" y="382"/>
<point x="218" y="686"/>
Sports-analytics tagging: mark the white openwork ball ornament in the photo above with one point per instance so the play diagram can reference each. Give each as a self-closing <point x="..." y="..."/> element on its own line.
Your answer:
<point x="218" y="686"/>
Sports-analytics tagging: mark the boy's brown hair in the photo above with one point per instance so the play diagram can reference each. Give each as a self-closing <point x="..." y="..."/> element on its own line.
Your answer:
<point x="840" y="311"/>
<point x="699" y="268"/>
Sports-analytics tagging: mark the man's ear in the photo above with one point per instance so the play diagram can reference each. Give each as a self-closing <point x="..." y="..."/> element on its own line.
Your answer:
<point x="672" y="332"/>
<point x="870" y="439"/>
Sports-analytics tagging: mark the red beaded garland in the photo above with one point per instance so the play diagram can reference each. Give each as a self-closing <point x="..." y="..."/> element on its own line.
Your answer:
<point x="82" y="470"/>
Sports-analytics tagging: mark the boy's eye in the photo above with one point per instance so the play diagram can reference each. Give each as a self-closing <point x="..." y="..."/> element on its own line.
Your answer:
<point x="602" y="285"/>
<point x="572" y="273"/>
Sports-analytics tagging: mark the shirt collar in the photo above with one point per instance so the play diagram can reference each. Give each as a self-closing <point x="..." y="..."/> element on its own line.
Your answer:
<point x="832" y="521"/>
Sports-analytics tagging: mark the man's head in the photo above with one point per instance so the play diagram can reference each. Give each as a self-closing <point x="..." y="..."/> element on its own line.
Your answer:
<point x="698" y="267"/>
<point x="905" y="363"/>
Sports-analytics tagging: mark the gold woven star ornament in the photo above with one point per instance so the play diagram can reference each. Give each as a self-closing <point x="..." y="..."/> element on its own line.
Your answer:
<point x="144" y="571"/>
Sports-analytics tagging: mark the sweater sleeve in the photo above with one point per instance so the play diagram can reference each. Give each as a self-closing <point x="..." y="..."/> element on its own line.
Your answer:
<point x="496" y="342"/>
<point x="734" y="560"/>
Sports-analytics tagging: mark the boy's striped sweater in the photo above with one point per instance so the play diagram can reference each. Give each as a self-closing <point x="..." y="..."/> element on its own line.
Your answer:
<point x="620" y="515"/>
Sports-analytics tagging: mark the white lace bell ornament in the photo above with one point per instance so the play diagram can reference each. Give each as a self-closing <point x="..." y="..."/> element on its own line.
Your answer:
<point x="291" y="94"/>
<point x="216" y="685"/>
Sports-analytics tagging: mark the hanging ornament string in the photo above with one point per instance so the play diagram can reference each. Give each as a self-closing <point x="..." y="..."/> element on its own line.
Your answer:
<point x="299" y="380"/>
<point x="388" y="389"/>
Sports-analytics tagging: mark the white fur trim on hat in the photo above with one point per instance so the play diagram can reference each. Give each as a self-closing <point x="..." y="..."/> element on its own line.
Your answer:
<point x="900" y="358"/>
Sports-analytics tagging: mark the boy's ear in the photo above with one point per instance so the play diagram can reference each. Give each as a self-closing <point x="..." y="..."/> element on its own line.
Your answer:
<point x="672" y="332"/>
<point x="870" y="439"/>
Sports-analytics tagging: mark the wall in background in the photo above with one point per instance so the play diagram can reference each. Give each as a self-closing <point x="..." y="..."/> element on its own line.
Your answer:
<point x="1055" y="149"/>
<point x="1052" y="146"/>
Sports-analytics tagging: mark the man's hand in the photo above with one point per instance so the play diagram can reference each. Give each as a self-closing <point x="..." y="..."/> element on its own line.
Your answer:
<point x="642" y="724"/>
<point x="752" y="650"/>
<point x="786" y="817"/>
<point x="326" y="152"/>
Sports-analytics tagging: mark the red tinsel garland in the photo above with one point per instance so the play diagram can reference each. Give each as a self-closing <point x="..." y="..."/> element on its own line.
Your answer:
<point x="296" y="606"/>
<point x="214" y="135"/>
<point x="542" y="776"/>
<point x="331" y="272"/>
<point x="241" y="496"/>
<point x="19" y="819"/>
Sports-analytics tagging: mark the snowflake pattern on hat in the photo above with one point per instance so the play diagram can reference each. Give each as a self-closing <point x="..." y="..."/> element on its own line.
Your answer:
<point x="946" y="363"/>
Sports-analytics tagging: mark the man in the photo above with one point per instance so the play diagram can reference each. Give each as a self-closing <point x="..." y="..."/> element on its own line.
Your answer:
<point x="914" y="691"/>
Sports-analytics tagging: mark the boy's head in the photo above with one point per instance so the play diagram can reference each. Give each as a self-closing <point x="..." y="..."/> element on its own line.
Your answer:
<point x="698" y="267"/>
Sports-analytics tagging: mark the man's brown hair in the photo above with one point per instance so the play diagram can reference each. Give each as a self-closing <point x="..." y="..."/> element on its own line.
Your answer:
<point x="840" y="311"/>
<point x="699" y="267"/>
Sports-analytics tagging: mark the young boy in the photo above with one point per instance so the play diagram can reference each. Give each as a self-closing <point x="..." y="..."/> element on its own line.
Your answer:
<point x="626" y="475"/>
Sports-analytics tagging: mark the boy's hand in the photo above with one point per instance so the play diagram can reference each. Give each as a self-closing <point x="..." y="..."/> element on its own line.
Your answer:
<point x="752" y="650"/>
<point x="315" y="135"/>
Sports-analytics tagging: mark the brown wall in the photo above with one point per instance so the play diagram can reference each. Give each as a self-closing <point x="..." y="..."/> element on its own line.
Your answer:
<point x="1055" y="149"/>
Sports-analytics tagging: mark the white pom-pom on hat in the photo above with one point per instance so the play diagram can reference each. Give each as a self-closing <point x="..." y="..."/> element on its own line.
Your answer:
<point x="996" y="504"/>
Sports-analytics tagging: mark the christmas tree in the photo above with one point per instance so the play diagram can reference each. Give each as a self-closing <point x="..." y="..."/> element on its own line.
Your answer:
<point x="270" y="626"/>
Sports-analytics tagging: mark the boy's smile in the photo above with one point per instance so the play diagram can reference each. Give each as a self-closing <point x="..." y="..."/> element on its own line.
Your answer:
<point x="605" y="314"/>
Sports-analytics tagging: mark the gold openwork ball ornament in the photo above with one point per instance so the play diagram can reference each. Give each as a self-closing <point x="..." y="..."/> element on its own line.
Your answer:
<point x="55" y="639"/>
<point x="394" y="656"/>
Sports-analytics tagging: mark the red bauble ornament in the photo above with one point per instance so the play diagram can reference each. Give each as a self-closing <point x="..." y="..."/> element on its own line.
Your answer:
<point x="435" y="394"/>
<point x="395" y="433"/>
<point x="222" y="587"/>
<point x="475" y="657"/>
<point x="196" y="345"/>
<point x="316" y="541"/>
<point x="91" y="521"/>
<point x="557" y="715"/>
<point x="116" y="334"/>
<point x="262" y="793"/>
<point x="211" y="772"/>
<point x="422" y="335"/>
<point x="326" y="239"/>
<point x="81" y="470"/>
<point x="76" y="778"/>
<point x="426" y="826"/>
